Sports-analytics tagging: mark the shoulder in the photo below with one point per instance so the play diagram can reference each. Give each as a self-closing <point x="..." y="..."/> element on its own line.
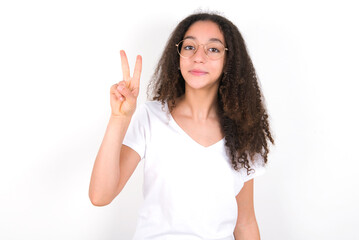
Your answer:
<point x="152" y="105"/>
<point x="154" y="108"/>
<point x="147" y="106"/>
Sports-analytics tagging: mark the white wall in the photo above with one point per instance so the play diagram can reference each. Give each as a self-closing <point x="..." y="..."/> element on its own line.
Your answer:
<point x="58" y="60"/>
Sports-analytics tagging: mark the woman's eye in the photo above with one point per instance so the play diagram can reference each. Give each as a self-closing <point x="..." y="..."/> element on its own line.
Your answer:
<point x="214" y="50"/>
<point x="189" y="47"/>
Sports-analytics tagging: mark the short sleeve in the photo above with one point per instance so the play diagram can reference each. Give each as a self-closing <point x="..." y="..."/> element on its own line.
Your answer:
<point x="137" y="131"/>
<point x="241" y="176"/>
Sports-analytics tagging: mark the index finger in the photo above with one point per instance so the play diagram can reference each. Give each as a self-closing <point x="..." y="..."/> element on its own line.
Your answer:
<point x="125" y="66"/>
<point x="137" y="72"/>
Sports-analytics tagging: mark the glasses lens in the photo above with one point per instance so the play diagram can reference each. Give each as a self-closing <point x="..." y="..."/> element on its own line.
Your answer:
<point x="187" y="48"/>
<point x="214" y="50"/>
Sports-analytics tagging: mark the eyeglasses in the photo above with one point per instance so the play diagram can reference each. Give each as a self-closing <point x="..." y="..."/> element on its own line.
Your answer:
<point x="188" y="47"/>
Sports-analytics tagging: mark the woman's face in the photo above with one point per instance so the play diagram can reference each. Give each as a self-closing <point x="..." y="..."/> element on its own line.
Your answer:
<point x="200" y="71"/>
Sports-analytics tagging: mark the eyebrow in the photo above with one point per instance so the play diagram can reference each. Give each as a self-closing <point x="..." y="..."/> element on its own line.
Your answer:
<point x="210" y="40"/>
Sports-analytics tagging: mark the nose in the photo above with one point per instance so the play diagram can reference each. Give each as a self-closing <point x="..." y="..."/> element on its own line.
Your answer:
<point x="200" y="55"/>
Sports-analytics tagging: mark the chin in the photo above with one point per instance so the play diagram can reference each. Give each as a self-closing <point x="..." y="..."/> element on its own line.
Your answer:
<point x="197" y="85"/>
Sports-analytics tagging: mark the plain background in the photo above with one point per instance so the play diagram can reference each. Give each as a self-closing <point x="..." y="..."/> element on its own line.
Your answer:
<point x="58" y="60"/>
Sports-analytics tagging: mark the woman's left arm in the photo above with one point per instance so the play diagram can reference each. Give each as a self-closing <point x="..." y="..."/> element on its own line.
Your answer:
<point x="246" y="226"/>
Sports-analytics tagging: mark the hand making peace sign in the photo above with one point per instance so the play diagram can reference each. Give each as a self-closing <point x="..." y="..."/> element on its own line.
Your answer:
<point x="123" y="96"/>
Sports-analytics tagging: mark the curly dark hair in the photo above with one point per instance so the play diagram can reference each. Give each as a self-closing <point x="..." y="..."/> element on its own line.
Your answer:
<point x="242" y="113"/>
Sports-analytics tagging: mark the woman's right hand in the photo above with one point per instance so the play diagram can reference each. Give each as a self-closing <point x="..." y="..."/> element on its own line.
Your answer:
<point x="123" y="96"/>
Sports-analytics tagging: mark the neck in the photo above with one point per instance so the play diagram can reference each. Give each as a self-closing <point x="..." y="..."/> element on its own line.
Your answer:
<point x="199" y="104"/>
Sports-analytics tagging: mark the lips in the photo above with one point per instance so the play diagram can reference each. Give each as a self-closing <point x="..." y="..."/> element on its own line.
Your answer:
<point x="198" y="72"/>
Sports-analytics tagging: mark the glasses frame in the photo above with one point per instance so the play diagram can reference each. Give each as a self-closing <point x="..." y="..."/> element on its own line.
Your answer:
<point x="198" y="45"/>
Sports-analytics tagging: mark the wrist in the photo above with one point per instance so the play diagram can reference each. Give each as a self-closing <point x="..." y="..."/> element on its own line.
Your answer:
<point x="120" y="118"/>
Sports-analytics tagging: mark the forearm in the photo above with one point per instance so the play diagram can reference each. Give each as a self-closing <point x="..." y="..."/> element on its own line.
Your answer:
<point x="106" y="170"/>
<point x="248" y="231"/>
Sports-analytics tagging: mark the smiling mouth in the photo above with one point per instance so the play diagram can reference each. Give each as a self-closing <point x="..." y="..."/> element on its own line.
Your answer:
<point x="198" y="72"/>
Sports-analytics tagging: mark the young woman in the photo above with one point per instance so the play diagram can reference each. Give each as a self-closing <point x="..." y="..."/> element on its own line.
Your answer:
<point x="203" y="137"/>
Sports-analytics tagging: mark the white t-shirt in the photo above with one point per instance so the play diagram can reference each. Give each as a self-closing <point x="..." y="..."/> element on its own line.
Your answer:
<point x="189" y="190"/>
